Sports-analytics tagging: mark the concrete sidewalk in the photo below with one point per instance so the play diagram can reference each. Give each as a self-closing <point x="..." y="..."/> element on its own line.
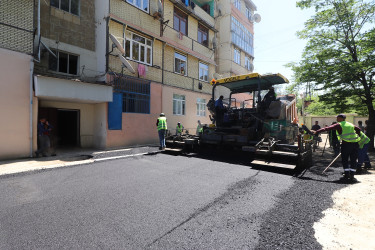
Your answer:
<point x="71" y="158"/>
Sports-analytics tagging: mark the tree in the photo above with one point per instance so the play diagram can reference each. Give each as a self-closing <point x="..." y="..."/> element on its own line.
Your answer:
<point x="339" y="57"/>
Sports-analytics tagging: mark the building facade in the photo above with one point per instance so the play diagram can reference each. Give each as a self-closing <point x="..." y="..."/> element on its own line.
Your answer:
<point x="169" y="46"/>
<point x="16" y="66"/>
<point x="70" y="87"/>
<point x="235" y="53"/>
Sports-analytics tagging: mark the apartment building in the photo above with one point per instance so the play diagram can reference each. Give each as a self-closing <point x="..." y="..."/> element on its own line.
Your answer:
<point x="16" y="62"/>
<point x="235" y="53"/>
<point x="69" y="82"/>
<point x="169" y="44"/>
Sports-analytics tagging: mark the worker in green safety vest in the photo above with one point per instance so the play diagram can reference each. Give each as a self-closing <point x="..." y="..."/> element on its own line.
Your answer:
<point x="362" y="152"/>
<point x="199" y="128"/>
<point x="179" y="128"/>
<point x="350" y="136"/>
<point x="161" y="124"/>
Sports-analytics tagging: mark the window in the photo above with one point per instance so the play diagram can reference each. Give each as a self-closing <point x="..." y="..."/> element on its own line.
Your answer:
<point x="242" y="37"/>
<point x="71" y="6"/>
<point x="140" y="4"/>
<point x="237" y="56"/>
<point x="237" y="3"/>
<point x="202" y="35"/>
<point x="178" y="104"/>
<point x="201" y="107"/>
<point x="64" y="63"/>
<point x="203" y="72"/>
<point x="139" y="49"/>
<point x="180" y="64"/>
<point x="180" y="21"/>
<point x="247" y="63"/>
<point x="248" y="13"/>
<point x="135" y="95"/>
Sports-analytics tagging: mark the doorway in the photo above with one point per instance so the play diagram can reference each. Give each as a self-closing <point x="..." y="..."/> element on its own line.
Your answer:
<point x="68" y="127"/>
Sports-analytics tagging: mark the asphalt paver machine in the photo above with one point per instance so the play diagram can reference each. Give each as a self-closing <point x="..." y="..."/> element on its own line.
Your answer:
<point x="251" y="124"/>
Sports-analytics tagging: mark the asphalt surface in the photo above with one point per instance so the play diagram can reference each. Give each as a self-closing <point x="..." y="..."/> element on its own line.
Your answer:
<point x="161" y="201"/>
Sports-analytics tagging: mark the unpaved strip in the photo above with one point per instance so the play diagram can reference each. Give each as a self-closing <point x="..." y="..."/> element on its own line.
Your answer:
<point x="350" y="222"/>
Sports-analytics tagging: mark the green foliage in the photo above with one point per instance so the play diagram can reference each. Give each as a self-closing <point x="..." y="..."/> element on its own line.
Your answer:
<point x="339" y="58"/>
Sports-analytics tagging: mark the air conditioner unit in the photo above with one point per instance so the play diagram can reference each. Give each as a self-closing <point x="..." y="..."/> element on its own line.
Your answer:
<point x="214" y="43"/>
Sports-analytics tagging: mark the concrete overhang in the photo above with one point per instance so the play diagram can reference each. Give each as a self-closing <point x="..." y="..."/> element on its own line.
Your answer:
<point x="50" y="88"/>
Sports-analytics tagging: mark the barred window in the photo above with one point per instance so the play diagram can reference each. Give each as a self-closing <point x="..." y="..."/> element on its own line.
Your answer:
<point x="135" y="95"/>
<point x="71" y="6"/>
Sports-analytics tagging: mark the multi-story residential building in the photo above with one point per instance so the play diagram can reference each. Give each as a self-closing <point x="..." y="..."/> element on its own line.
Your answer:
<point x="70" y="87"/>
<point x="235" y="53"/>
<point x="16" y="66"/>
<point x="169" y="45"/>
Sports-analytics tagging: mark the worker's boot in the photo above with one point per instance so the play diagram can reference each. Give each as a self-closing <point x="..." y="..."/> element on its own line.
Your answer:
<point x="351" y="176"/>
<point x="367" y="165"/>
<point x="346" y="175"/>
<point x="358" y="170"/>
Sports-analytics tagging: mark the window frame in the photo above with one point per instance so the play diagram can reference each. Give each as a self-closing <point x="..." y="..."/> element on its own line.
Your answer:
<point x="180" y="16"/>
<point x="249" y="13"/>
<point x="241" y="37"/>
<point x="201" y="107"/>
<point x="247" y="62"/>
<point x="179" y="104"/>
<point x="203" y="31"/>
<point x="58" y="61"/>
<point x="237" y="55"/>
<point x="129" y="44"/>
<point x="181" y="59"/>
<point x="204" y="70"/>
<point x="52" y="4"/>
<point x="237" y="4"/>
<point x="134" y="3"/>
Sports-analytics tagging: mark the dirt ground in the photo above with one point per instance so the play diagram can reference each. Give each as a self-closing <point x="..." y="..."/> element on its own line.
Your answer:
<point x="350" y="222"/>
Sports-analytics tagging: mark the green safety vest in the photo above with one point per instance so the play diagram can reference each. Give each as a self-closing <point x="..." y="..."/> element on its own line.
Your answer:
<point x="348" y="133"/>
<point x="363" y="140"/>
<point x="162" y="124"/>
<point x="179" y="129"/>
<point x="200" y="129"/>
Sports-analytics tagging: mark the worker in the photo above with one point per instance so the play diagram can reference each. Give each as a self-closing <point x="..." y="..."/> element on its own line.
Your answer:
<point x="350" y="136"/>
<point x="269" y="97"/>
<point x="334" y="141"/>
<point x="219" y="110"/>
<point x="316" y="126"/>
<point x="179" y="129"/>
<point x="362" y="153"/>
<point x="199" y="128"/>
<point x="360" y="125"/>
<point x="161" y="124"/>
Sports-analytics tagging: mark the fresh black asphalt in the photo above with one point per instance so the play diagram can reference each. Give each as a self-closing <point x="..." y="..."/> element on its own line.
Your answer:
<point x="161" y="201"/>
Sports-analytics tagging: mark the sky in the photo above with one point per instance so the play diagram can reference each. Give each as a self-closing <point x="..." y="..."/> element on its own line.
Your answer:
<point x="275" y="39"/>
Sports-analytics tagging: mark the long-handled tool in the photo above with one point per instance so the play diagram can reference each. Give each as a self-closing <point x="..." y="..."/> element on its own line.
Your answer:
<point x="325" y="144"/>
<point x="331" y="163"/>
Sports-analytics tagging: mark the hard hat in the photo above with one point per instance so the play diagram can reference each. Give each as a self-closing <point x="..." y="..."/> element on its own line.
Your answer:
<point x="162" y="114"/>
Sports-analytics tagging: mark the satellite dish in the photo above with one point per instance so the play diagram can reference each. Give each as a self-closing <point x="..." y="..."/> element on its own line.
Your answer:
<point x="117" y="43"/>
<point x="126" y="64"/>
<point x="257" y="18"/>
<point x="251" y="68"/>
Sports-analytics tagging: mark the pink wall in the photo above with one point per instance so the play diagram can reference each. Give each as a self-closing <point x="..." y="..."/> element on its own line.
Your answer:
<point x="15" y="103"/>
<point x="138" y="129"/>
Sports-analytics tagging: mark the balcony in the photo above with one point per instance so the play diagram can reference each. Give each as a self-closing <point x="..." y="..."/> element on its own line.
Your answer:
<point x="197" y="12"/>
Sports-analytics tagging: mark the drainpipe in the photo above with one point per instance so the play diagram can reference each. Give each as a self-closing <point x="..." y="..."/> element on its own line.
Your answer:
<point x="38" y="29"/>
<point x="31" y="106"/>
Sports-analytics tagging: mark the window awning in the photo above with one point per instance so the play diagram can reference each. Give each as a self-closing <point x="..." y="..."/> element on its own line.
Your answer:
<point x="50" y="88"/>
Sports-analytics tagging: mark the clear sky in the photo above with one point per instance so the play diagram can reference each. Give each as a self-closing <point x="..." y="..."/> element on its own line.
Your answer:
<point x="275" y="40"/>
